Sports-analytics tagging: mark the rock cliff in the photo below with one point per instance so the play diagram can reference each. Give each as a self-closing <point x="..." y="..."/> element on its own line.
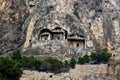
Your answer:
<point x="81" y="72"/>
<point x="13" y="13"/>
<point x="97" y="20"/>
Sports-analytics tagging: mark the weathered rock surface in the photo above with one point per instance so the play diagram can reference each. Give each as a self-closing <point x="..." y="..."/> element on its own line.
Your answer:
<point x="13" y="13"/>
<point x="97" y="20"/>
<point x="81" y="72"/>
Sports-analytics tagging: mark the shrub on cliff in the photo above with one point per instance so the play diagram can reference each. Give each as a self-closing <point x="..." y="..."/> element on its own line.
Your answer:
<point x="93" y="56"/>
<point x="72" y="63"/>
<point x="9" y="69"/>
<point x="84" y="59"/>
<point x="81" y="60"/>
<point x="55" y="64"/>
<point x="65" y="64"/>
<point x="16" y="55"/>
<point x="30" y="63"/>
<point x="103" y="56"/>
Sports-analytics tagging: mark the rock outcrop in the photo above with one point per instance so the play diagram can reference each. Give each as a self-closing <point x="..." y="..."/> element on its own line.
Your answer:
<point x="13" y="13"/>
<point x="97" y="20"/>
<point x="81" y="72"/>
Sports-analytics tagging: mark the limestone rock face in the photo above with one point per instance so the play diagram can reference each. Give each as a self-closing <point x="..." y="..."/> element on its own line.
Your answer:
<point x="97" y="20"/>
<point x="12" y="16"/>
<point x="81" y="72"/>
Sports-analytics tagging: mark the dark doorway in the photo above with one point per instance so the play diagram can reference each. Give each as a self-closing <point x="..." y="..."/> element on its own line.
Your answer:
<point x="77" y="44"/>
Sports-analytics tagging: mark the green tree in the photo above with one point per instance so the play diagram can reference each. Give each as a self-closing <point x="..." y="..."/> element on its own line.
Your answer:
<point x="9" y="69"/>
<point x="16" y="55"/>
<point x="81" y="60"/>
<point x="65" y="64"/>
<point x="72" y="63"/>
<point x="30" y="63"/>
<point x="93" y="56"/>
<point x="56" y="64"/>
<point x="46" y="66"/>
<point x="105" y="50"/>
<point x="86" y="58"/>
<point x="37" y="65"/>
<point x="99" y="57"/>
<point x="105" y="55"/>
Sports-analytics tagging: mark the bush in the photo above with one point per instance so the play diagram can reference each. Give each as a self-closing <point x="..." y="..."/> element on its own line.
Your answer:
<point x="30" y="63"/>
<point x="9" y="69"/>
<point x="16" y="55"/>
<point x="72" y="63"/>
<point x="103" y="56"/>
<point x="81" y="60"/>
<point x="84" y="59"/>
<point x="55" y="63"/>
<point x="65" y="64"/>
<point x="93" y="56"/>
<point x="46" y="66"/>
